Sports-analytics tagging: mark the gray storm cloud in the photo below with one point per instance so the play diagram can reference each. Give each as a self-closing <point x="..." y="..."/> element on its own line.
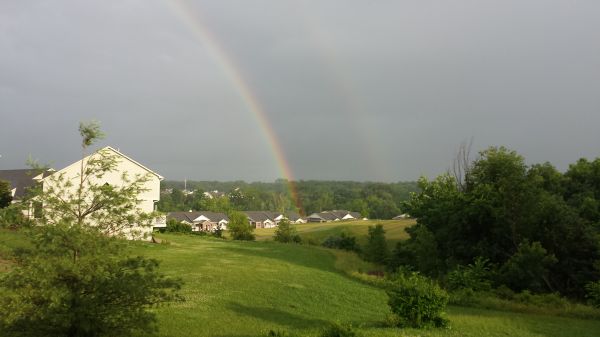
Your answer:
<point x="352" y="89"/>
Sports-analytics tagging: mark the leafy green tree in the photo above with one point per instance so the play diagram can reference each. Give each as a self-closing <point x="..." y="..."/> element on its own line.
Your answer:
<point x="79" y="282"/>
<point x="286" y="232"/>
<point x="239" y="227"/>
<point x="376" y="249"/>
<point x="503" y="205"/>
<point x="5" y="195"/>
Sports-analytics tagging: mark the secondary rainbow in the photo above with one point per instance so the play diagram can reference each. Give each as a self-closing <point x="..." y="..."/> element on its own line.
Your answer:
<point x="191" y="18"/>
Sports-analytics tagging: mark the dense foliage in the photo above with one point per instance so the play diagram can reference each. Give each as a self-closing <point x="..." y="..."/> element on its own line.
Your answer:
<point x="175" y="226"/>
<point x="537" y="226"/>
<point x="5" y="195"/>
<point x="343" y="241"/>
<point x="417" y="301"/>
<point x="239" y="227"/>
<point x="79" y="282"/>
<point x="376" y="249"/>
<point x="286" y="232"/>
<point x="373" y="200"/>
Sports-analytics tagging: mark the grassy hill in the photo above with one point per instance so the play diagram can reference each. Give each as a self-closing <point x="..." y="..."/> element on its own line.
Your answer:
<point x="244" y="289"/>
<point x="319" y="231"/>
<point x="247" y="288"/>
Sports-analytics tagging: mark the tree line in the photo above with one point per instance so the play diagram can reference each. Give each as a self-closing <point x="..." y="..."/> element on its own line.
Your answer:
<point x="529" y="227"/>
<point x="371" y="199"/>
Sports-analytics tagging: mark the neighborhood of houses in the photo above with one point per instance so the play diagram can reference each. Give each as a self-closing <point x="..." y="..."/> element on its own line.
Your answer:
<point x="210" y="221"/>
<point x="23" y="179"/>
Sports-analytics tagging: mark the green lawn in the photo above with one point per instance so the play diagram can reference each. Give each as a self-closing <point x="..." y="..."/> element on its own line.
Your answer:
<point x="319" y="231"/>
<point x="246" y="288"/>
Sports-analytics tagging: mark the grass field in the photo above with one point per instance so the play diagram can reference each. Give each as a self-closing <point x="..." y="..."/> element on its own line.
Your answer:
<point x="319" y="231"/>
<point x="247" y="288"/>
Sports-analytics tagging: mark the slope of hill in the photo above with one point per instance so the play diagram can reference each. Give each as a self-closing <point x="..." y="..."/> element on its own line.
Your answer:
<point x="319" y="231"/>
<point x="247" y="288"/>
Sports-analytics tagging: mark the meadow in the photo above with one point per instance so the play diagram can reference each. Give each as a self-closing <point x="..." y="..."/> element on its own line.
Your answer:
<point x="248" y="288"/>
<point x="317" y="232"/>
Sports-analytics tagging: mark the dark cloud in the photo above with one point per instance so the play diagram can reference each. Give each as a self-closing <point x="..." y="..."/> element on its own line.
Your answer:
<point x="352" y="90"/>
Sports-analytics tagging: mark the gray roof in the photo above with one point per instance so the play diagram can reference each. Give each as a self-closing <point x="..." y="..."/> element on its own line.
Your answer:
<point x="20" y="179"/>
<point x="293" y="216"/>
<point x="260" y="216"/>
<point x="356" y="215"/>
<point x="190" y="216"/>
<point x="213" y="216"/>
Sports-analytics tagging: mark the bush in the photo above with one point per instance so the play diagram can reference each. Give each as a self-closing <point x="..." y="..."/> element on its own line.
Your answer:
<point x="339" y="330"/>
<point x="475" y="276"/>
<point x="417" y="301"/>
<point x="239" y="227"/>
<point x="286" y="233"/>
<point x="592" y="290"/>
<point x="376" y="250"/>
<point x="174" y="226"/>
<point x="343" y="241"/>
<point x="12" y="218"/>
<point x="528" y="268"/>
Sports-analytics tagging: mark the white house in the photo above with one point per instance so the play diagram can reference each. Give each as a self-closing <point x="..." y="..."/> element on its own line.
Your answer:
<point x="201" y="220"/>
<point x="124" y="166"/>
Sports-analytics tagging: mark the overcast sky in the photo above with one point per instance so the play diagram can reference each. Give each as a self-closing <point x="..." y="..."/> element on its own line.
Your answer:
<point x="354" y="90"/>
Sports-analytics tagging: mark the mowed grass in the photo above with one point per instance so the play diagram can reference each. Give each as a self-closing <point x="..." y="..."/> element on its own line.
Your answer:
<point x="317" y="232"/>
<point x="248" y="288"/>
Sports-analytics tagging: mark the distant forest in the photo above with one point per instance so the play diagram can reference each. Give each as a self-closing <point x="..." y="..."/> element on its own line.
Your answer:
<point x="372" y="199"/>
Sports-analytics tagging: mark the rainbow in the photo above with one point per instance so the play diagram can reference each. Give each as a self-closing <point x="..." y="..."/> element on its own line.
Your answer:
<point x="192" y="19"/>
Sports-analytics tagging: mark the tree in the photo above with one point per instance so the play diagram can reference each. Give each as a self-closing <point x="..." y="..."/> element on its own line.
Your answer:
<point x="376" y="249"/>
<point x="78" y="282"/>
<point x="86" y="201"/>
<point x="286" y="232"/>
<point x="239" y="227"/>
<point x="5" y="195"/>
<point x="501" y="207"/>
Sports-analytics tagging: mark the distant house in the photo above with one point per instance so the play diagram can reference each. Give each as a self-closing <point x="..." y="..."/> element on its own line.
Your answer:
<point x="214" y="194"/>
<point x="201" y="221"/>
<point x="295" y="218"/>
<point x="263" y="219"/>
<point x="335" y="215"/>
<point x="21" y="181"/>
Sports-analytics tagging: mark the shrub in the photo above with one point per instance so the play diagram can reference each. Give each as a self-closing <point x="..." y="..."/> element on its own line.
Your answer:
<point x="286" y="233"/>
<point x="343" y="241"/>
<point x="528" y="268"/>
<point x="417" y="301"/>
<point x="592" y="290"/>
<point x="376" y="250"/>
<point x="13" y="218"/>
<point x="475" y="276"/>
<point x="339" y="330"/>
<point x="239" y="227"/>
<point x="174" y="226"/>
<point x="218" y="232"/>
